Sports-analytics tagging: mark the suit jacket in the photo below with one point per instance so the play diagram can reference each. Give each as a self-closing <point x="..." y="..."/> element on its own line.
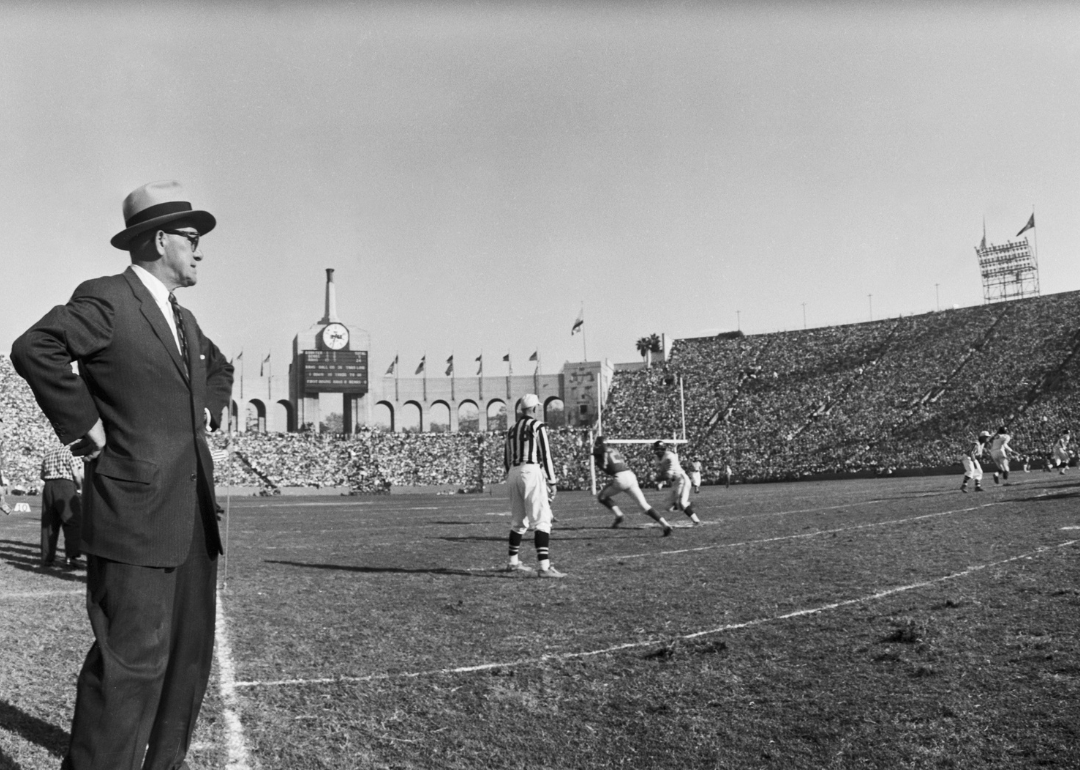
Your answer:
<point x="141" y="495"/>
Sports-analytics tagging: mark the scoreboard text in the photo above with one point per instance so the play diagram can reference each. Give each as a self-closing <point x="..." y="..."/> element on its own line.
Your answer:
<point x="335" y="371"/>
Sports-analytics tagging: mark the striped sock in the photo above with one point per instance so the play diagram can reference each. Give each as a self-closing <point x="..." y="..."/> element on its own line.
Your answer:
<point x="515" y="547"/>
<point x="542" y="541"/>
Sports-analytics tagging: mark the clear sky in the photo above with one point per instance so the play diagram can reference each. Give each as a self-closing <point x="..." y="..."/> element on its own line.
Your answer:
<point x="475" y="172"/>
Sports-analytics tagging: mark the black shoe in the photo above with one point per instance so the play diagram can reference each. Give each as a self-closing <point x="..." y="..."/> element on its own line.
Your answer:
<point x="74" y="563"/>
<point x="667" y="531"/>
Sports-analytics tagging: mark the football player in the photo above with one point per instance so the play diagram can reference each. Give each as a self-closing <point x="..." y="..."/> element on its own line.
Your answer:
<point x="611" y="461"/>
<point x="972" y="466"/>
<point x="1061" y="451"/>
<point x="1000" y="452"/>
<point x="669" y="469"/>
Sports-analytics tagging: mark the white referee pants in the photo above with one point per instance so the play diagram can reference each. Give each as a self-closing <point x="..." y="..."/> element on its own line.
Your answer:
<point x="972" y="469"/>
<point x="528" y="499"/>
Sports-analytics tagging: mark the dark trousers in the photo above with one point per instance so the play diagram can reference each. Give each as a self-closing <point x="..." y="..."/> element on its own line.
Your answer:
<point x="143" y="681"/>
<point x="61" y="508"/>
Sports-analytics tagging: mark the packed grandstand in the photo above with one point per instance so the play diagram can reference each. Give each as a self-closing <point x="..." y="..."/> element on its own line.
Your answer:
<point x="881" y="397"/>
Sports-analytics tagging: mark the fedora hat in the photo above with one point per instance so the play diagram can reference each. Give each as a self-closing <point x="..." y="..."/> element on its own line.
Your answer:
<point x="156" y="204"/>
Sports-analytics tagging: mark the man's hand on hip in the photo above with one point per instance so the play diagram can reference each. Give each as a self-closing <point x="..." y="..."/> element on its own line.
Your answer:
<point x="90" y="445"/>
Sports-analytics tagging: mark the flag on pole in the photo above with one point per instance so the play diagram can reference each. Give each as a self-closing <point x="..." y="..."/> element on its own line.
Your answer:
<point x="506" y="358"/>
<point x="450" y="367"/>
<point x="578" y="323"/>
<point x="422" y="362"/>
<point x="1030" y="224"/>
<point x="480" y="360"/>
<point x="264" y="362"/>
<point x="239" y="355"/>
<point x="393" y="366"/>
<point x="535" y="356"/>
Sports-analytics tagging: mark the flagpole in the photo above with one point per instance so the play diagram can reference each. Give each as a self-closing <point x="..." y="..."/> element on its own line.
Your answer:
<point x="584" y="350"/>
<point x="1035" y="235"/>
<point x="397" y="376"/>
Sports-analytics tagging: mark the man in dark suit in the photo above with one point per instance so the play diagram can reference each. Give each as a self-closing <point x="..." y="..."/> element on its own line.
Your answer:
<point x="148" y="387"/>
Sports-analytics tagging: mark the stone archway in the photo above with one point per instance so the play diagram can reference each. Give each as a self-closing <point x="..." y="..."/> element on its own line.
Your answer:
<point x="382" y="416"/>
<point x="496" y="414"/>
<point x="412" y="417"/>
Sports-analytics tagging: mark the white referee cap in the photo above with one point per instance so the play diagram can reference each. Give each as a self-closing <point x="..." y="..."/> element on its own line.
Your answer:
<point x="529" y="400"/>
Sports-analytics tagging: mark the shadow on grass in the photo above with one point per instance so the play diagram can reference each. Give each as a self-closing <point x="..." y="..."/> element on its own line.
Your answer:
<point x="31" y="548"/>
<point x="387" y="570"/>
<point x="1061" y="494"/>
<point x="27" y="558"/>
<point x="34" y="730"/>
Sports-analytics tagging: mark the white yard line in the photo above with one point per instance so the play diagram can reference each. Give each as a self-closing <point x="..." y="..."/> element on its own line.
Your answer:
<point x="237" y="757"/>
<point x="875" y="596"/>
<point x="800" y="536"/>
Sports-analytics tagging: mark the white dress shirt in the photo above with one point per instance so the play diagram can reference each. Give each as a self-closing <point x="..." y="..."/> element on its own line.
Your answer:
<point x="161" y="297"/>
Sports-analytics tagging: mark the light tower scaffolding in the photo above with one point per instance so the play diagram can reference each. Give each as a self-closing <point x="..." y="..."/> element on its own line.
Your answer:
<point x="1009" y="271"/>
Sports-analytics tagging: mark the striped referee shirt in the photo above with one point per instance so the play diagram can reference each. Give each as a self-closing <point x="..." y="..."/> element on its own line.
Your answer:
<point x="527" y="443"/>
<point x="58" y="463"/>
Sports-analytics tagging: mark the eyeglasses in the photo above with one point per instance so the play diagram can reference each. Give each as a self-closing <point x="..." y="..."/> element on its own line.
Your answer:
<point x="192" y="239"/>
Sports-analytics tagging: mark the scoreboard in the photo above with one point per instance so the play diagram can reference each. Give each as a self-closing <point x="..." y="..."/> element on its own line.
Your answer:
<point x="334" y="371"/>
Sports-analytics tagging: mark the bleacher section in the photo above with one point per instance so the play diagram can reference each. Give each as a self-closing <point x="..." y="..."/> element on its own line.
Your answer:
<point x="902" y="393"/>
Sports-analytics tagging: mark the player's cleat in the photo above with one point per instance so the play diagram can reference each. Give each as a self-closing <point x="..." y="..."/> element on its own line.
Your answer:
<point x="618" y="521"/>
<point x="550" y="572"/>
<point x="698" y="523"/>
<point x="978" y="489"/>
<point x="519" y="567"/>
<point x="963" y="489"/>
<point x="667" y="531"/>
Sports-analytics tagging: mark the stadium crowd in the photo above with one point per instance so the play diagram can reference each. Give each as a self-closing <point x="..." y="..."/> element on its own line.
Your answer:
<point x="876" y="397"/>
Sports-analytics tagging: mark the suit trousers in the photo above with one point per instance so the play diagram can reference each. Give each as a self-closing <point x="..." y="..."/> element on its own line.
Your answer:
<point x="143" y="681"/>
<point x="61" y="508"/>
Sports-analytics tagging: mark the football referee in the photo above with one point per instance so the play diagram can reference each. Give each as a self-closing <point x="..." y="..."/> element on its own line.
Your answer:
<point x="530" y="480"/>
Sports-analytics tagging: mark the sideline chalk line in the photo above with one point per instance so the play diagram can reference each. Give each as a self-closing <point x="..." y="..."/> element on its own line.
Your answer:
<point x="237" y="757"/>
<point x="654" y="642"/>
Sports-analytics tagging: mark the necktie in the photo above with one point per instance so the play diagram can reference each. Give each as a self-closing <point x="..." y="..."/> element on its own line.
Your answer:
<point x="180" y="331"/>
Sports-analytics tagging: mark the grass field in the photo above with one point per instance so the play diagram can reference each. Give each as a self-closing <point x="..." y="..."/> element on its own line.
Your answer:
<point x="891" y="623"/>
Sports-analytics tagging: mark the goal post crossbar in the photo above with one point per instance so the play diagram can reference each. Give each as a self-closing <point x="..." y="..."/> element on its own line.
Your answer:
<point x="645" y="440"/>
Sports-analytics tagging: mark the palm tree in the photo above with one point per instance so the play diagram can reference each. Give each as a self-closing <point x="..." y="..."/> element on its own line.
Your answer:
<point x="646" y="346"/>
<point x="643" y="346"/>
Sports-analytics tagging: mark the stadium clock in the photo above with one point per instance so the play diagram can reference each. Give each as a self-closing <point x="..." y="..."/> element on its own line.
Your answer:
<point x="335" y="336"/>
